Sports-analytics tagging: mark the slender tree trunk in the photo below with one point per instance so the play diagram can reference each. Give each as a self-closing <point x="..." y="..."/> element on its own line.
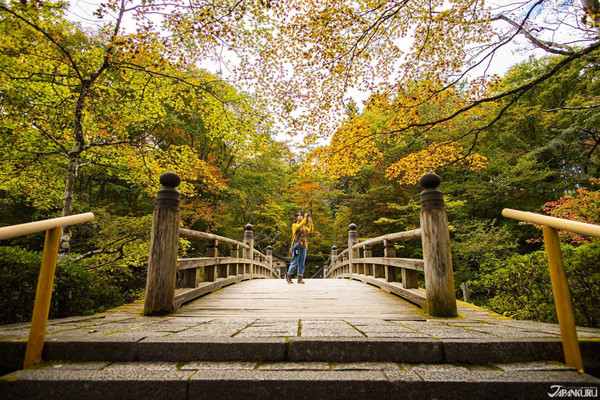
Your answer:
<point x="67" y="208"/>
<point x="72" y="169"/>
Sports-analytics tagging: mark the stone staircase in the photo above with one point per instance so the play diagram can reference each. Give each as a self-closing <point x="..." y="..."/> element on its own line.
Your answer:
<point x="126" y="366"/>
<point x="222" y="347"/>
<point x="293" y="380"/>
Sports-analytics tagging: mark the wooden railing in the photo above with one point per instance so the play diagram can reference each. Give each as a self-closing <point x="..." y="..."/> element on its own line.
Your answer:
<point x="357" y="261"/>
<point x="382" y="272"/>
<point x="43" y="294"/>
<point x="558" y="276"/>
<point x="162" y="297"/>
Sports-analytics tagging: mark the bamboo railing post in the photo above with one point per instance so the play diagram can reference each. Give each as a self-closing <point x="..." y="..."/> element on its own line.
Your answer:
<point x="389" y="251"/>
<point x="249" y="253"/>
<point x="439" y="277"/>
<point x="164" y="243"/>
<point x="352" y="254"/>
<point x="41" y="306"/>
<point x="562" y="298"/>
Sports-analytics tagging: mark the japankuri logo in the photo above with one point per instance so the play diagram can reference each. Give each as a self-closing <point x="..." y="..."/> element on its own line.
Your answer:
<point x="578" y="392"/>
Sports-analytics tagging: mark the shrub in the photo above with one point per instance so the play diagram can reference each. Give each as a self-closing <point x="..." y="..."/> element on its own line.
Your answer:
<point x="520" y="286"/>
<point x="76" y="291"/>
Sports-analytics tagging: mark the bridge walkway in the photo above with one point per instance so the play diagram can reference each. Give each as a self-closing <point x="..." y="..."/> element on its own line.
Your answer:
<point x="330" y="338"/>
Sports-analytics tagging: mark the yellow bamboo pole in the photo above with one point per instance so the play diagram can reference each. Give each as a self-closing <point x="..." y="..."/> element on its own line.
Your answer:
<point x="562" y="298"/>
<point x="41" y="307"/>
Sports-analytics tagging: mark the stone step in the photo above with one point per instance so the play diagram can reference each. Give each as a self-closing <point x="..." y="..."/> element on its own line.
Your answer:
<point x="304" y="380"/>
<point x="178" y="349"/>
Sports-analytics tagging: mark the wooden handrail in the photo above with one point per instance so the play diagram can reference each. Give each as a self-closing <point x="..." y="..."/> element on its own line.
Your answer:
<point x="558" y="275"/>
<point x="392" y="237"/>
<point x="440" y="294"/>
<point x="13" y="231"/>
<point x="557" y="223"/>
<point x="43" y="294"/>
<point x="192" y="234"/>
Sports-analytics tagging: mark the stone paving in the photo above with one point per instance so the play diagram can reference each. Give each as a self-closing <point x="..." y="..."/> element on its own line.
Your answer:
<point x="127" y="322"/>
<point x="189" y="355"/>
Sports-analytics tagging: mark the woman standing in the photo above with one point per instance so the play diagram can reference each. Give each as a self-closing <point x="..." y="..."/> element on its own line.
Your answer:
<point x="299" y="245"/>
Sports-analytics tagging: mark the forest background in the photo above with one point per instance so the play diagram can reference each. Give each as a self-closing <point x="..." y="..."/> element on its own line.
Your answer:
<point x="91" y="116"/>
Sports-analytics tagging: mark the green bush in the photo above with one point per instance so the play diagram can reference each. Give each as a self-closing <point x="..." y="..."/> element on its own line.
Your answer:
<point x="76" y="291"/>
<point x="520" y="286"/>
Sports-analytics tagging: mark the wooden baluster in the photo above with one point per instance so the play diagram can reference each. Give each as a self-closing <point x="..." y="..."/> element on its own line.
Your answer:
<point x="270" y="262"/>
<point x="164" y="243"/>
<point x="249" y="253"/>
<point x="439" y="277"/>
<point x="369" y="268"/>
<point x="333" y="260"/>
<point x="410" y="277"/>
<point x="352" y="254"/>
<point x="222" y="269"/>
<point x="389" y="251"/>
<point x="212" y="250"/>
<point x="235" y="253"/>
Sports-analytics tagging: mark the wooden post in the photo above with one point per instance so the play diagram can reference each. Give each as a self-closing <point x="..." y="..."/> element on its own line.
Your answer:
<point x="164" y="243"/>
<point x="465" y="289"/>
<point x="410" y="277"/>
<point x="210" y="272"/>
<point x="439" y="277"/>
<point x="352" y="254"/>
<point x="389" y="251"/>
<point x="562" y="298"/>
<point x="249" y="253"/>
<point x="270" y="260"/>
<point x="41" y="306"/>
<point x="369" y="269"/>
<point x="235" y="250"/>
<point x="333" y="258"/>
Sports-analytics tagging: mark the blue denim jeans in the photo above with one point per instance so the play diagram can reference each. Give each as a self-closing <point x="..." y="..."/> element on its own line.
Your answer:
<point x="298" y="257"/>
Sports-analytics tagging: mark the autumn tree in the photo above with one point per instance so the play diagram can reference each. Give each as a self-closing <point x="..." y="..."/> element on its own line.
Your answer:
<point x="411" y="54"/>
<point x="72" y="100"/>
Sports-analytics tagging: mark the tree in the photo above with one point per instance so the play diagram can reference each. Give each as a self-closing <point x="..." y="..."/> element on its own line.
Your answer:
<point x="412" y="54"/>
<point x="583" y="206"/>
<point x="72" y="100"/>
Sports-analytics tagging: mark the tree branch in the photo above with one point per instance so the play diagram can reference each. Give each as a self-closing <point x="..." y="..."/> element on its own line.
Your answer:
<point x="47" y="35"/>
<point x="574" y="108"/>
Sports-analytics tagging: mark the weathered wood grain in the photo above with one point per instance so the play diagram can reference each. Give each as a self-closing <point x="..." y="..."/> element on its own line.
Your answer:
<point x="439" y="276"/>
<point x="162" y="263"/>
<point x="191" y="234"/>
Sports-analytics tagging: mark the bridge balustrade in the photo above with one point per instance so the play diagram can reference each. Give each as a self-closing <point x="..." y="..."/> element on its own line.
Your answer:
<point x="357" y="261"/>
<point x="162" y="296"/>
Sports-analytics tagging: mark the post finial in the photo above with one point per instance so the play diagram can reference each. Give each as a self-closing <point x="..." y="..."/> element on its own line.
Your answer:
<point x="168" y="196"/>
<point x="333" y="247"/>
<point x="269" y="247"/>
<point x="248" y="227"/>
<point x="352" y="227"/>
<point x="430" y="181"/>
<point x="170" y="179"/>
<point x="431" y="197"/>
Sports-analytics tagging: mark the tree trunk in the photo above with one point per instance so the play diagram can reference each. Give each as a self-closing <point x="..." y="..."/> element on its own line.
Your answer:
<point x="72" y="168"/>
